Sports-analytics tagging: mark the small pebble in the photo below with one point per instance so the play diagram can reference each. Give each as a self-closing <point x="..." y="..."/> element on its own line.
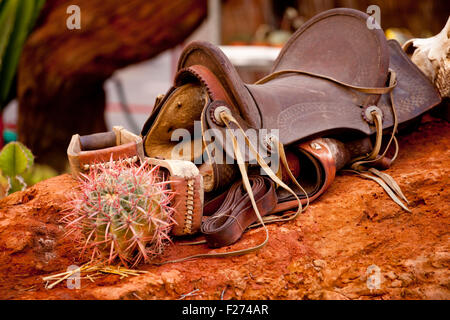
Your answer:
<point x="406" y="278"/>
<point x="396" y="284"/>
<point x="320" y="263"/>
<point x="391" y="275"/>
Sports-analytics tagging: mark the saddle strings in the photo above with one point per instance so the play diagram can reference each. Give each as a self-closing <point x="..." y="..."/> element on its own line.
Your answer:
<point x="289" y="215"/>
<point x="369" y="90"/>
<point x="227" y="119"/>
<point x="359" y="164"/>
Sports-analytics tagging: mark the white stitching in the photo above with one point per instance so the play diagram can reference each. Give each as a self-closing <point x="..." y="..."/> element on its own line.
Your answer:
<point x="190" y="207"/>
<point x="129" y="160"/>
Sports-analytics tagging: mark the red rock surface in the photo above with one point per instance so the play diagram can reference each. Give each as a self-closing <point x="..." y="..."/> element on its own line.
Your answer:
<point x="323" y="254"/>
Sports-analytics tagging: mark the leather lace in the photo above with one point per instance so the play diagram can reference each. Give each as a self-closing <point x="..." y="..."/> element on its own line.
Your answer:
<point x="358" y="165"/>
<point x="227" y="118"/>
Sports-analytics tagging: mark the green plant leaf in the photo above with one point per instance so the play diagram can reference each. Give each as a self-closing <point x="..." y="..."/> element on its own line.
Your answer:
<point x="28" y="154"/>
<point x="37" y="10"/>
<point x="2" y="2"/>
<point x="38" y="173"/>
<point x="24" y="15"/>
<point x="17" y="184"/>
<point x="15" y="159"/>
<point x="5" y="186"/>
<point x="7" y="19"/>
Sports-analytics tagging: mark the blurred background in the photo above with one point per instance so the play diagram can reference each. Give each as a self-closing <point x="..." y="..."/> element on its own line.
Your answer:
<point x="110" y="70"/>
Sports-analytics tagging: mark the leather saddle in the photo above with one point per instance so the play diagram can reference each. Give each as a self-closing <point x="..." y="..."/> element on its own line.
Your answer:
<point x="337" y="94"/>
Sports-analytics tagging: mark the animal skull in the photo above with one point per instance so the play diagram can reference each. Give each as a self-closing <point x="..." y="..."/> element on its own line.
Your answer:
<point x="432" y="56"/>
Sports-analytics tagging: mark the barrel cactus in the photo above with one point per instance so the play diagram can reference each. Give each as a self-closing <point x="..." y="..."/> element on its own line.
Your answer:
<point x="123" y="212"/>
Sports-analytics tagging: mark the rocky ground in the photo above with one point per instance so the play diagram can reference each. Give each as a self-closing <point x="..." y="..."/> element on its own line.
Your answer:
<point x="324" y="254"/>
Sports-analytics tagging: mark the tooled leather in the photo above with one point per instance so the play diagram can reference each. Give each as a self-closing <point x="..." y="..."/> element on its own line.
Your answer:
<point x="188" y="208"/>
<point x="325" y="108"/>
<point x="321" y="106"/>
<point x="236" y="213"/>
<point x="213" y="86"/>
<point x="351" y="52"/>
<point x="414" y="93"/>
<point x="210" y="56"/>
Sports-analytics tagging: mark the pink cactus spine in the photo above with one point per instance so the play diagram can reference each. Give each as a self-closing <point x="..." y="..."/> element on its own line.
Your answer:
<point x="123" y="212"/>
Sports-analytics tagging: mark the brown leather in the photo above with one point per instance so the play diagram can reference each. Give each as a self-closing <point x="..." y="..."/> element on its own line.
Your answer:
<point x="232" y="211"/>
<point x="186" y="183"/>
<point x="320" y="162"/>
<point x="217" y="177"/>
<point x="335" y="44"/>
<point x="322" y="156"/>
<point x="119" y="144"/>
<point x="188" y="205"/>
<point x="208" y="78"/>
<point x="124" y="151"/>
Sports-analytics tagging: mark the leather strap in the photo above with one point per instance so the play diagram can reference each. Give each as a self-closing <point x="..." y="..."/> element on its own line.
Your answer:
<point x="236" y="213"/>
<point x="360" y="163"/>
<point x="231" y="212"/>
<point x="368" y="90"/>
<point x="322" y="153"/>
